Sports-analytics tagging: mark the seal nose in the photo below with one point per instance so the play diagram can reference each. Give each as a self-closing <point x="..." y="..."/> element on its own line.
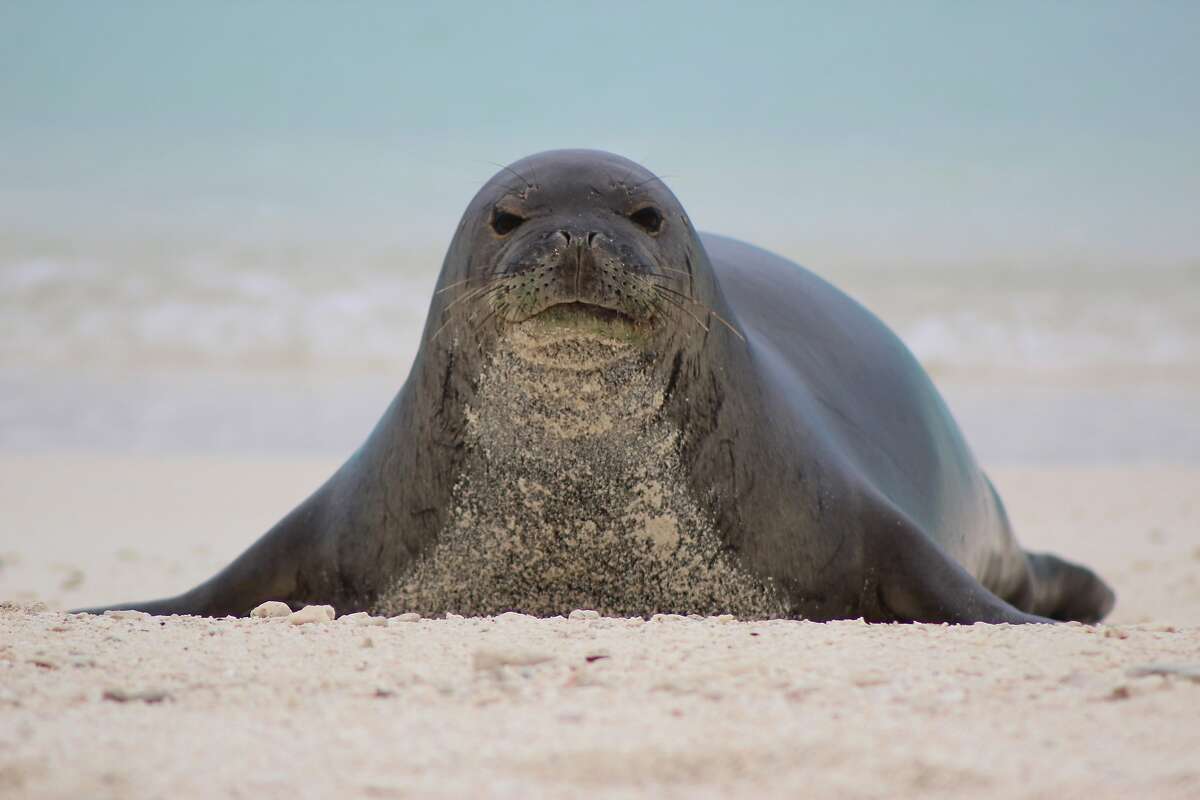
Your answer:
<point x="589" y="237"/>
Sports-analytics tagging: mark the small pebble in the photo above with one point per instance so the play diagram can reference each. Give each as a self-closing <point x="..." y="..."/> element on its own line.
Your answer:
<point x="362" y="618"/>
<point x="454" y="616"/>
<point x="1119" y="693"/>
<point x="725" y="619"/>
<point x="410" y="616"/>
<point x="1189" y="671"/>
<point x="146" y="696"/>
<point x="312" y="614"/>
<point x="495" y="659"/>
<point x="581" y="613"/>
<point x="271" y="608"/>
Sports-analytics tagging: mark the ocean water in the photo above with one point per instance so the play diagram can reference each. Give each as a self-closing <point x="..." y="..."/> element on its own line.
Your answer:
<point x="296" y="310"/>
<point x="280" y="349"/>
<point x="220" y="225"/>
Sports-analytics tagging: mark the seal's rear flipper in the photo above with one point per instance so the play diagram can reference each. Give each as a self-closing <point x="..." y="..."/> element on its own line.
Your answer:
<point x="1066" y="591"/>
<point x="920" y="583"/>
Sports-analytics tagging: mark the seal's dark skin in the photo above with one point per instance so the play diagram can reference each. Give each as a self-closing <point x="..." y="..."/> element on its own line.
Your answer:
<point x="828" y="461"/>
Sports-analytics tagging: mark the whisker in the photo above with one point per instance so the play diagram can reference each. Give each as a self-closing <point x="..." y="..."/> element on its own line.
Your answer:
<point x="472" y="296"/>
<point x="726" y="323"/>
<point x="671" y="301"/>
<point x="674" y="292"/>
<point x="485" y="319"/>
<point x="512" y="171"/>
<point x="441" y="328"/>
<point x="477" y="329"/>
<point x="669" y="269"/>
<point x="468" y="280"/>
<point x="709" y="309"/>
<point x="651" y="179"/>
<point x="630" y="189"/>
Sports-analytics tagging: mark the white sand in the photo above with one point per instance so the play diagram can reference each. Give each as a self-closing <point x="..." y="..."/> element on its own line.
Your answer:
<point x="141" y="707"/>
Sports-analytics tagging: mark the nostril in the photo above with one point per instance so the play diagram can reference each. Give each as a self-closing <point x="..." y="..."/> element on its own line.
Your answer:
<point x="566" y="236"/>
<point x="591" y="238"/>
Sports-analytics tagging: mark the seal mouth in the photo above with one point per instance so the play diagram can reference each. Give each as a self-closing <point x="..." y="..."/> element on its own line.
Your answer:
<point x="580" y="311"/>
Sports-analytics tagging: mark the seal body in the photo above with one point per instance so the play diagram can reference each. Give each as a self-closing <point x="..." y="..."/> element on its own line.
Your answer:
<point x="610" y="410"/>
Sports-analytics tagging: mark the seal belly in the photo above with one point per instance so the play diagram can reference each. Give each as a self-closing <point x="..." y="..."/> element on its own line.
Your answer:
<point x="573" y="495"/>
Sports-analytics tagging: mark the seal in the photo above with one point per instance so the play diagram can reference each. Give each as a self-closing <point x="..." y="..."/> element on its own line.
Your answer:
<point x="612" y="411"/>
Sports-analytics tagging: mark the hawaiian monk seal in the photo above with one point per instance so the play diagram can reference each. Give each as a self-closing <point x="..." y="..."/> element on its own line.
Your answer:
<point x="610" y="410"/>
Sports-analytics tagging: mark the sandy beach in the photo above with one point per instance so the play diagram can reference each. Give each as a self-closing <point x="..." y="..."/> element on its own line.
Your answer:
<point x="133" y="706"/>
<point x="231" y="233"/>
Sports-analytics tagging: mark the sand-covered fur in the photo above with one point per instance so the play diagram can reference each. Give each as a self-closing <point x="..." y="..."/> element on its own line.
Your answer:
<point x="573" y="495"/>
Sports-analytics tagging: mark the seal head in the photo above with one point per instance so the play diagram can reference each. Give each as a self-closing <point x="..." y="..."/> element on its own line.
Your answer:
<point x="581" y="233"/>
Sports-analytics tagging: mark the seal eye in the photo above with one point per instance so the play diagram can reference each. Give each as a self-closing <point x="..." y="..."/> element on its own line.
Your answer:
<point x="504" y="222"/>
<point x="649" y="219"/>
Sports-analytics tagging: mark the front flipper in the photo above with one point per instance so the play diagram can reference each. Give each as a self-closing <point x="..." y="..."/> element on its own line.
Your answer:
<point x="291" y="562"/>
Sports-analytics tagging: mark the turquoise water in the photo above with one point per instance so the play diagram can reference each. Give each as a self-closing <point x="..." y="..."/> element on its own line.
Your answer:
<point x="916" y="133"/>
<point x="207" y="206"/>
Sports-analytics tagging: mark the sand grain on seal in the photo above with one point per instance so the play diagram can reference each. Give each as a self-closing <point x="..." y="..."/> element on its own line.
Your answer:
<point x="573" y="495"/>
